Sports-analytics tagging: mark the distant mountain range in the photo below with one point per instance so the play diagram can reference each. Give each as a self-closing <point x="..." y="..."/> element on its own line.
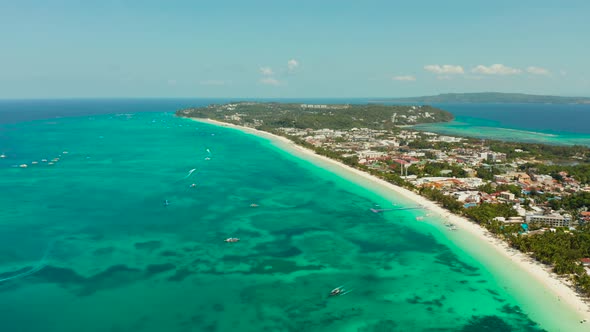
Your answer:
<point x="491" y="97"/>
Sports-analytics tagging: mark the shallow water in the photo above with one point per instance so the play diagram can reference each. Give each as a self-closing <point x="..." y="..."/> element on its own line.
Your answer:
<point x="556" y="124"/>
<point x="119" y="259"/>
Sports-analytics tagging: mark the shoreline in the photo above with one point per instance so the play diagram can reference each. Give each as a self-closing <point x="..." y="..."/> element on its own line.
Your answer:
<point x="541" y="273"/>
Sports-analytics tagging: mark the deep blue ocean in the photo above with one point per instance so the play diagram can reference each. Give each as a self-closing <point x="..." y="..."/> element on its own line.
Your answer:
<point x="559" y="124"/>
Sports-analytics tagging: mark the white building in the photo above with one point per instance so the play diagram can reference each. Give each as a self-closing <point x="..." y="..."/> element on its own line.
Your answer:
<point x="553" y="220"/>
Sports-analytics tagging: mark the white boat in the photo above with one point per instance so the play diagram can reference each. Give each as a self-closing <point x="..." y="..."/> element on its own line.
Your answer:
<point x="2" y="156"/>
<point x="419" y="218"/>
<point x="34" y="162"/>
<point x="23" y="165"/>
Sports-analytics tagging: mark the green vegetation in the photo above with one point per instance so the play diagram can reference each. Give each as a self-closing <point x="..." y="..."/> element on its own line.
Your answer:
<point x="488" y="188"/>
<point x="274" y="115"/>
<point x="580" y="172"/>
<point x="493" y="97"/>
<point x="539" y="151"/>
<point x="448" y="202"/>
<point x="485" y="213"/>
<point x="513" y="150"/>
<point x="437" y="169"/>
<point x="571" y="202"/>
<point x="562" y="249"/>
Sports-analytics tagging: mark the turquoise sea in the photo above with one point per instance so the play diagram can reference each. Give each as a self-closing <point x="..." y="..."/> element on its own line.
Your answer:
<point x="88" y="244"/>
<point x="557" y="124"/>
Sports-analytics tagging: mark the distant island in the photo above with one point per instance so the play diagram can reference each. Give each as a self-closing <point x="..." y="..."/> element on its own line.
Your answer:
<point x="491" y="97"/>
<point x="266" y="116"/>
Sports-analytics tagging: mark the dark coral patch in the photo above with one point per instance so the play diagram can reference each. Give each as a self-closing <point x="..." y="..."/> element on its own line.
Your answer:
<point x="180" y="275"/>
<point x="154" y="269"/>
<point x="148" y="245"/>
<point x="486" y="324"/>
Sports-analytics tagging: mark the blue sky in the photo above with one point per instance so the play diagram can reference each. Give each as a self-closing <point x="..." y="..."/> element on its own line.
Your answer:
<point x="52" y="49"/>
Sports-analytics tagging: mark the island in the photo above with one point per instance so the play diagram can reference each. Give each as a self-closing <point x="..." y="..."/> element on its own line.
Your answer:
<point x="491" y="97"/>
<point x="533" y="197"/>
<point x="268" y="116"/>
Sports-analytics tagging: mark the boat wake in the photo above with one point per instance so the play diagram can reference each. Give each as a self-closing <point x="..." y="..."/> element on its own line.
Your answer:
<point x="40" y="265"/>
<point x="189" y="173"/>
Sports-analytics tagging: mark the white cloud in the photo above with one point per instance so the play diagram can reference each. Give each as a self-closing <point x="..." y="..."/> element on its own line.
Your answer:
<point x="267" y="71"/>
<point x="495" y="69"/>
<point x="213" y="82"/>
<point x="537" y="70"/>
<point x="292" y="64"/>
<point x="404" y="78"/>
<point x="270" y="81"/>
<point x="444" y="69"/>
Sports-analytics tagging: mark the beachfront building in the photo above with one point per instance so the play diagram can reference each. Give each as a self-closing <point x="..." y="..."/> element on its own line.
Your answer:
<point x="553" y="220"/>
<point x="510" y="220"/>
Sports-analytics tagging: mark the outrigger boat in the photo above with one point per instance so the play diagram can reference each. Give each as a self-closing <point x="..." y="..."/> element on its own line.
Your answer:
<point x="339" y="291"/>
<point x="231" y="240"/>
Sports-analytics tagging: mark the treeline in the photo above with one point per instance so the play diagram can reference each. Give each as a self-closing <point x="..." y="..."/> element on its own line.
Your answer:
<point x="485" y="213"/>
<point x="448" y="202"/>
<point x="489" y="188"/>
<point x="559" y="249"/>
<point x="580" y="172"/>
<point x="275" y="115"/>
<point x="435" y="169"/>
<point x="562" y="249"/>
<point x="571" y="202"/>
<point x="540" y="151"/>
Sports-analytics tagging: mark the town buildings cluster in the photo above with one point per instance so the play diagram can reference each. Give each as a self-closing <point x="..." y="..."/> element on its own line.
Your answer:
<point x="392" y="151"/>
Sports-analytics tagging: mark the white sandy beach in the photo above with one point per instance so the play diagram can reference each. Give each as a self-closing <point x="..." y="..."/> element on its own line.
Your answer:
<point x="564" y="294"/>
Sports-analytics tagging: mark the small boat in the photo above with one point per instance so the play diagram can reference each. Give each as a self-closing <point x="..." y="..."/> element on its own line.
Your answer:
<point x="49" y="163"/>
<point x="419" y="218"/>
<point x="34" y="163"/>
<point x="23" y="165"/>
<point x="207" y="158"/>
<point x="253" y="205"/>
<point x="166" y="203"/>
<point x="231" y="240"/>
<point x="65" y="152"/>
<point x="336" y="291"/>
<point x="339" y="291"/>
<point x="193" y="185"/>
<point x="43" y="160"/>
<point x="2" y="156"/>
